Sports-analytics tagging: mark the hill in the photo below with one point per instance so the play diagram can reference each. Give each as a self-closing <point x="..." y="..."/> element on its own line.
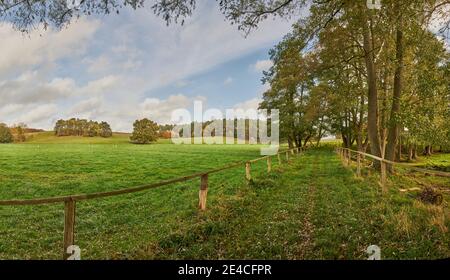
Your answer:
<point x="48" y="137"/>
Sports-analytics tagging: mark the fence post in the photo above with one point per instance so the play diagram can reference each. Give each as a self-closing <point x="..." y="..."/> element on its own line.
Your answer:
<point x="349" y="158"/>
<point x="279" y="159"/>
<point x="287" y="156"/>
<point x="383" y="176"/>
<point x="203" y="192"/>
<point x="69" y="226"/>
<point x="358" y="166"/>
<point x="269" y="164"/>
<point x="292" y="152"/>
<point x="248" y="175"/>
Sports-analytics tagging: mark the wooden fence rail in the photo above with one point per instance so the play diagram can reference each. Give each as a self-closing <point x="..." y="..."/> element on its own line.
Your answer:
<point x="71" y="200"/>
<point x="346" y="157"/>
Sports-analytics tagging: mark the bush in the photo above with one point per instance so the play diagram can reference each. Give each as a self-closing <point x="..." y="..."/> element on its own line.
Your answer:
<point x="165" y="134"/>
<point x="5" y="134"/>
<point x="145" y="131"/>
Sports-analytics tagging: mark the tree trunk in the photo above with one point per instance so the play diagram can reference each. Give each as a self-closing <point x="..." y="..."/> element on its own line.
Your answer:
<point x="410" y="152"/>
<point x="399" y="149"/>
<point x="372" y="116"/>
<point x="427" y="151"/>
<point x="394" y="128"/>
<point x="290" y="143"/>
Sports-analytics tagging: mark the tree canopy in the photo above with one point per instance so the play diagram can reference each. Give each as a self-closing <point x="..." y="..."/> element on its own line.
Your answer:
<point x="145" y="131"/>
<point x="82" y="127"/>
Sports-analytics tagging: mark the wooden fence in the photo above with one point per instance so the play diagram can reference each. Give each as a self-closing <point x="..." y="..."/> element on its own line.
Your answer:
<point x="346" y="157"/>
<point x="71" y="200"/>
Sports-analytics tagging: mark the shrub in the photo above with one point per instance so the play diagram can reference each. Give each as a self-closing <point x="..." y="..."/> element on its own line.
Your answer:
<point x="5" y="134"/>
<point x="165" y="134"/>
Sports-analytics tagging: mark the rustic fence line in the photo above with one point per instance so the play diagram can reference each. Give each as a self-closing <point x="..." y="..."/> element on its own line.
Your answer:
<point x="346" y="157"/>
<point x="70" y="200"/>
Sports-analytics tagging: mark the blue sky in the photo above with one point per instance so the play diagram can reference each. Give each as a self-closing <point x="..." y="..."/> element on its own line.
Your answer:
<point x="119" y="68"/>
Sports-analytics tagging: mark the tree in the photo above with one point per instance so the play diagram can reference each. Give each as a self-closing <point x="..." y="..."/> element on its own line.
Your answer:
<point x="5" y="134"/>
<point x="20" y="133"/>
<point x="145" y="131"/>
<point x="105" y="130"/>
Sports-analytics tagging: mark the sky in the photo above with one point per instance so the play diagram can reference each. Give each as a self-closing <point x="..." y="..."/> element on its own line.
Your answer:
<point x="119" y="68"/>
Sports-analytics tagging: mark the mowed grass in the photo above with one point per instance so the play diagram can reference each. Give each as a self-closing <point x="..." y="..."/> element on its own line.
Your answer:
<point x="313" y="208"/>
<point x="48" y="137"/>
<point x="106" y="227"/>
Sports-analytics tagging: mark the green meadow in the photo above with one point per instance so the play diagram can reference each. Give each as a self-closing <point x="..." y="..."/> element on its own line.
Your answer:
<point x="311" y="208"/>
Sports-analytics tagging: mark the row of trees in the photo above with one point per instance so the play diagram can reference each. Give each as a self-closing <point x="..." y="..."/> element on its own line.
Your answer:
<point x="146" y="131"/>
<point x="378" y="78"/>
<point x="82" y="127"/>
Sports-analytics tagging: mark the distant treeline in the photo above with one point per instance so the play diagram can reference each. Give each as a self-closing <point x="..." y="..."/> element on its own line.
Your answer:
<point x="164" y="130"/>
<point x="82" y="127"/>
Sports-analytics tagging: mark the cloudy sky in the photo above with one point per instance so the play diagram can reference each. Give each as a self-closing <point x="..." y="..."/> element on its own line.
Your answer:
<point x="119" y="68"/>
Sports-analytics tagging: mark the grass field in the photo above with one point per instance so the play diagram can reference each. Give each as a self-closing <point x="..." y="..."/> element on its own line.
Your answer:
<point x="438" y="161"/>
<point x="312" y="209"/>
<point x="48" y="137"/>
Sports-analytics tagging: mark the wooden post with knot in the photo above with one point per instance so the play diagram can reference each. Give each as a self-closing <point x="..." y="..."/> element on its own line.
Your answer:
<point x="69" y="226"/>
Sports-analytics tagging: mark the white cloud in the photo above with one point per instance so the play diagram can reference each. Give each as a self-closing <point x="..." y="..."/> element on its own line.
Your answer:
<point x="102" y="85"/>
<point x="175" y="53"/>
<point x="251" y="104"/>
<point x="262" y="65"/>
<point x="39" y="114"/>
<point x="28" y="88"/>
<point x="228" y="81"/>
<point x="86" y="108"/>
<point x="161" y="110"/>
<point x="99" y="64"/>
<point x="19" y="52"/>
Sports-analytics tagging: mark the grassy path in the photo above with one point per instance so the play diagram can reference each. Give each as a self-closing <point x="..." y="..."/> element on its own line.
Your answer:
<point x="307" y="227"/>
<point x="312" y="209"/>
